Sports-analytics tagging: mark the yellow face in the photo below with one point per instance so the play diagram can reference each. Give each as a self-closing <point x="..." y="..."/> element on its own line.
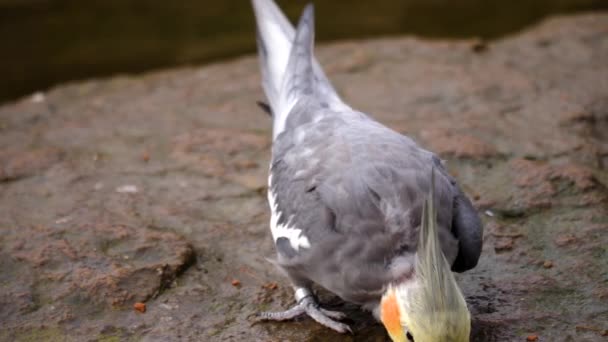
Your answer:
<point x="428" y="307"/>
<point x="403" y="327"/>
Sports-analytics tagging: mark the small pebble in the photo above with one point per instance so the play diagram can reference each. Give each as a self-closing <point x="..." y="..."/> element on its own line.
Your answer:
<point x="140" y="307"/>
<point x="479" y="46"/>
<point x="38" y="97"/>
<point x="235" y="282"/>
<point x="127" y="189"/>
<point x="271" y="286"/>
<point x="62" y="220"/>
<point x="532" y="338"/>
<point x="548" y="264"/>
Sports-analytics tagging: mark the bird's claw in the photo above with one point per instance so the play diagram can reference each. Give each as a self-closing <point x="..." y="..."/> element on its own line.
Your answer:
<point x="339" y="315"/>
<point x="308" y="305"/>
<point x="324" y="317"/>
<point x="292" y="313"/>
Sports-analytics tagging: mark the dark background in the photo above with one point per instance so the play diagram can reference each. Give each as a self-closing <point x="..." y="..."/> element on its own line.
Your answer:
<point x="45" y="42"/>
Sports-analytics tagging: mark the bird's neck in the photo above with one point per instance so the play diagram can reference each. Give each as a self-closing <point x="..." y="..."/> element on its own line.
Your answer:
<point x="402" y="269"/>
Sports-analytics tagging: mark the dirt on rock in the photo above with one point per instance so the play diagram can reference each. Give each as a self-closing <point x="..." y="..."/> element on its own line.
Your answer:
<point x="134" y="208"/>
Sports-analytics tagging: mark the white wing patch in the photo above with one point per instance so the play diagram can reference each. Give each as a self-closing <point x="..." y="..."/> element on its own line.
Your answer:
<point x="296" y="239"/>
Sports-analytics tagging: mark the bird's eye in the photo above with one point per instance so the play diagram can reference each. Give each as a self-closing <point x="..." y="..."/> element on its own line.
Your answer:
<point x="409" y="336"/>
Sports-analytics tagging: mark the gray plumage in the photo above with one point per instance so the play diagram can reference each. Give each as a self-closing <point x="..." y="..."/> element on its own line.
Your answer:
<point x="347" y="192"/>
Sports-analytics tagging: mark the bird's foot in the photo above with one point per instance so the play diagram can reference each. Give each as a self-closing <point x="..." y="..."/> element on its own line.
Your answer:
<point x="307" y="304"/>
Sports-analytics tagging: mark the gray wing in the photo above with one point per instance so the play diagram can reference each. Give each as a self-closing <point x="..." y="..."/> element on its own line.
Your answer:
<point x="355" y="190"/>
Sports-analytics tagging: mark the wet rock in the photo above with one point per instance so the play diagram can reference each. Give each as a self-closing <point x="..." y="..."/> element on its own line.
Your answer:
<point x="565" y="239"/>
<point x="104" y="264"/>
<point x="540" y="174"/>
<point x="17" y="163"/>
<point x="225" y="154"/>
<point x="457" y="145"/>
<point x="503" y="244"/>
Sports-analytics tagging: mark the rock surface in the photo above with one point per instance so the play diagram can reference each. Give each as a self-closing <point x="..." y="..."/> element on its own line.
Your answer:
<point x="152" y="189"/>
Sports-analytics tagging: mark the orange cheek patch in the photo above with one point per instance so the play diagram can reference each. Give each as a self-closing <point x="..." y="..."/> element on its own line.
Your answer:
<point x="389" y="314"/>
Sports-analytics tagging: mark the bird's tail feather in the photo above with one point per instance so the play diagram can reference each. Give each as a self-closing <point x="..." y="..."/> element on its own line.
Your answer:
<point x="299" y="78"/>
<point x="274" y="37"/>
<point x="283" y="71"/>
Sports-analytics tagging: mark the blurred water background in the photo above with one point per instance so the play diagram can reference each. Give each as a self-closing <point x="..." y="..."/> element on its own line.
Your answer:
<point x="46" y="42"/>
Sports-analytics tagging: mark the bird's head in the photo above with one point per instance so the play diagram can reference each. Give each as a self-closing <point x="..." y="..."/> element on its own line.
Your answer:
<point x="429" y="306"/>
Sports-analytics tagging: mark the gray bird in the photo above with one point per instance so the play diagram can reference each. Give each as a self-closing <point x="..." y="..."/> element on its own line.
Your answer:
<point x="347" y="195"/>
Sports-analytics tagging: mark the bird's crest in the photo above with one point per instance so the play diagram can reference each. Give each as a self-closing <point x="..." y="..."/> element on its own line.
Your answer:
<point x="436" y="309"/>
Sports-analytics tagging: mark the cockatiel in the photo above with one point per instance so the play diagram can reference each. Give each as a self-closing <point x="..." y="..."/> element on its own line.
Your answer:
<point x="347" y="195"/>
